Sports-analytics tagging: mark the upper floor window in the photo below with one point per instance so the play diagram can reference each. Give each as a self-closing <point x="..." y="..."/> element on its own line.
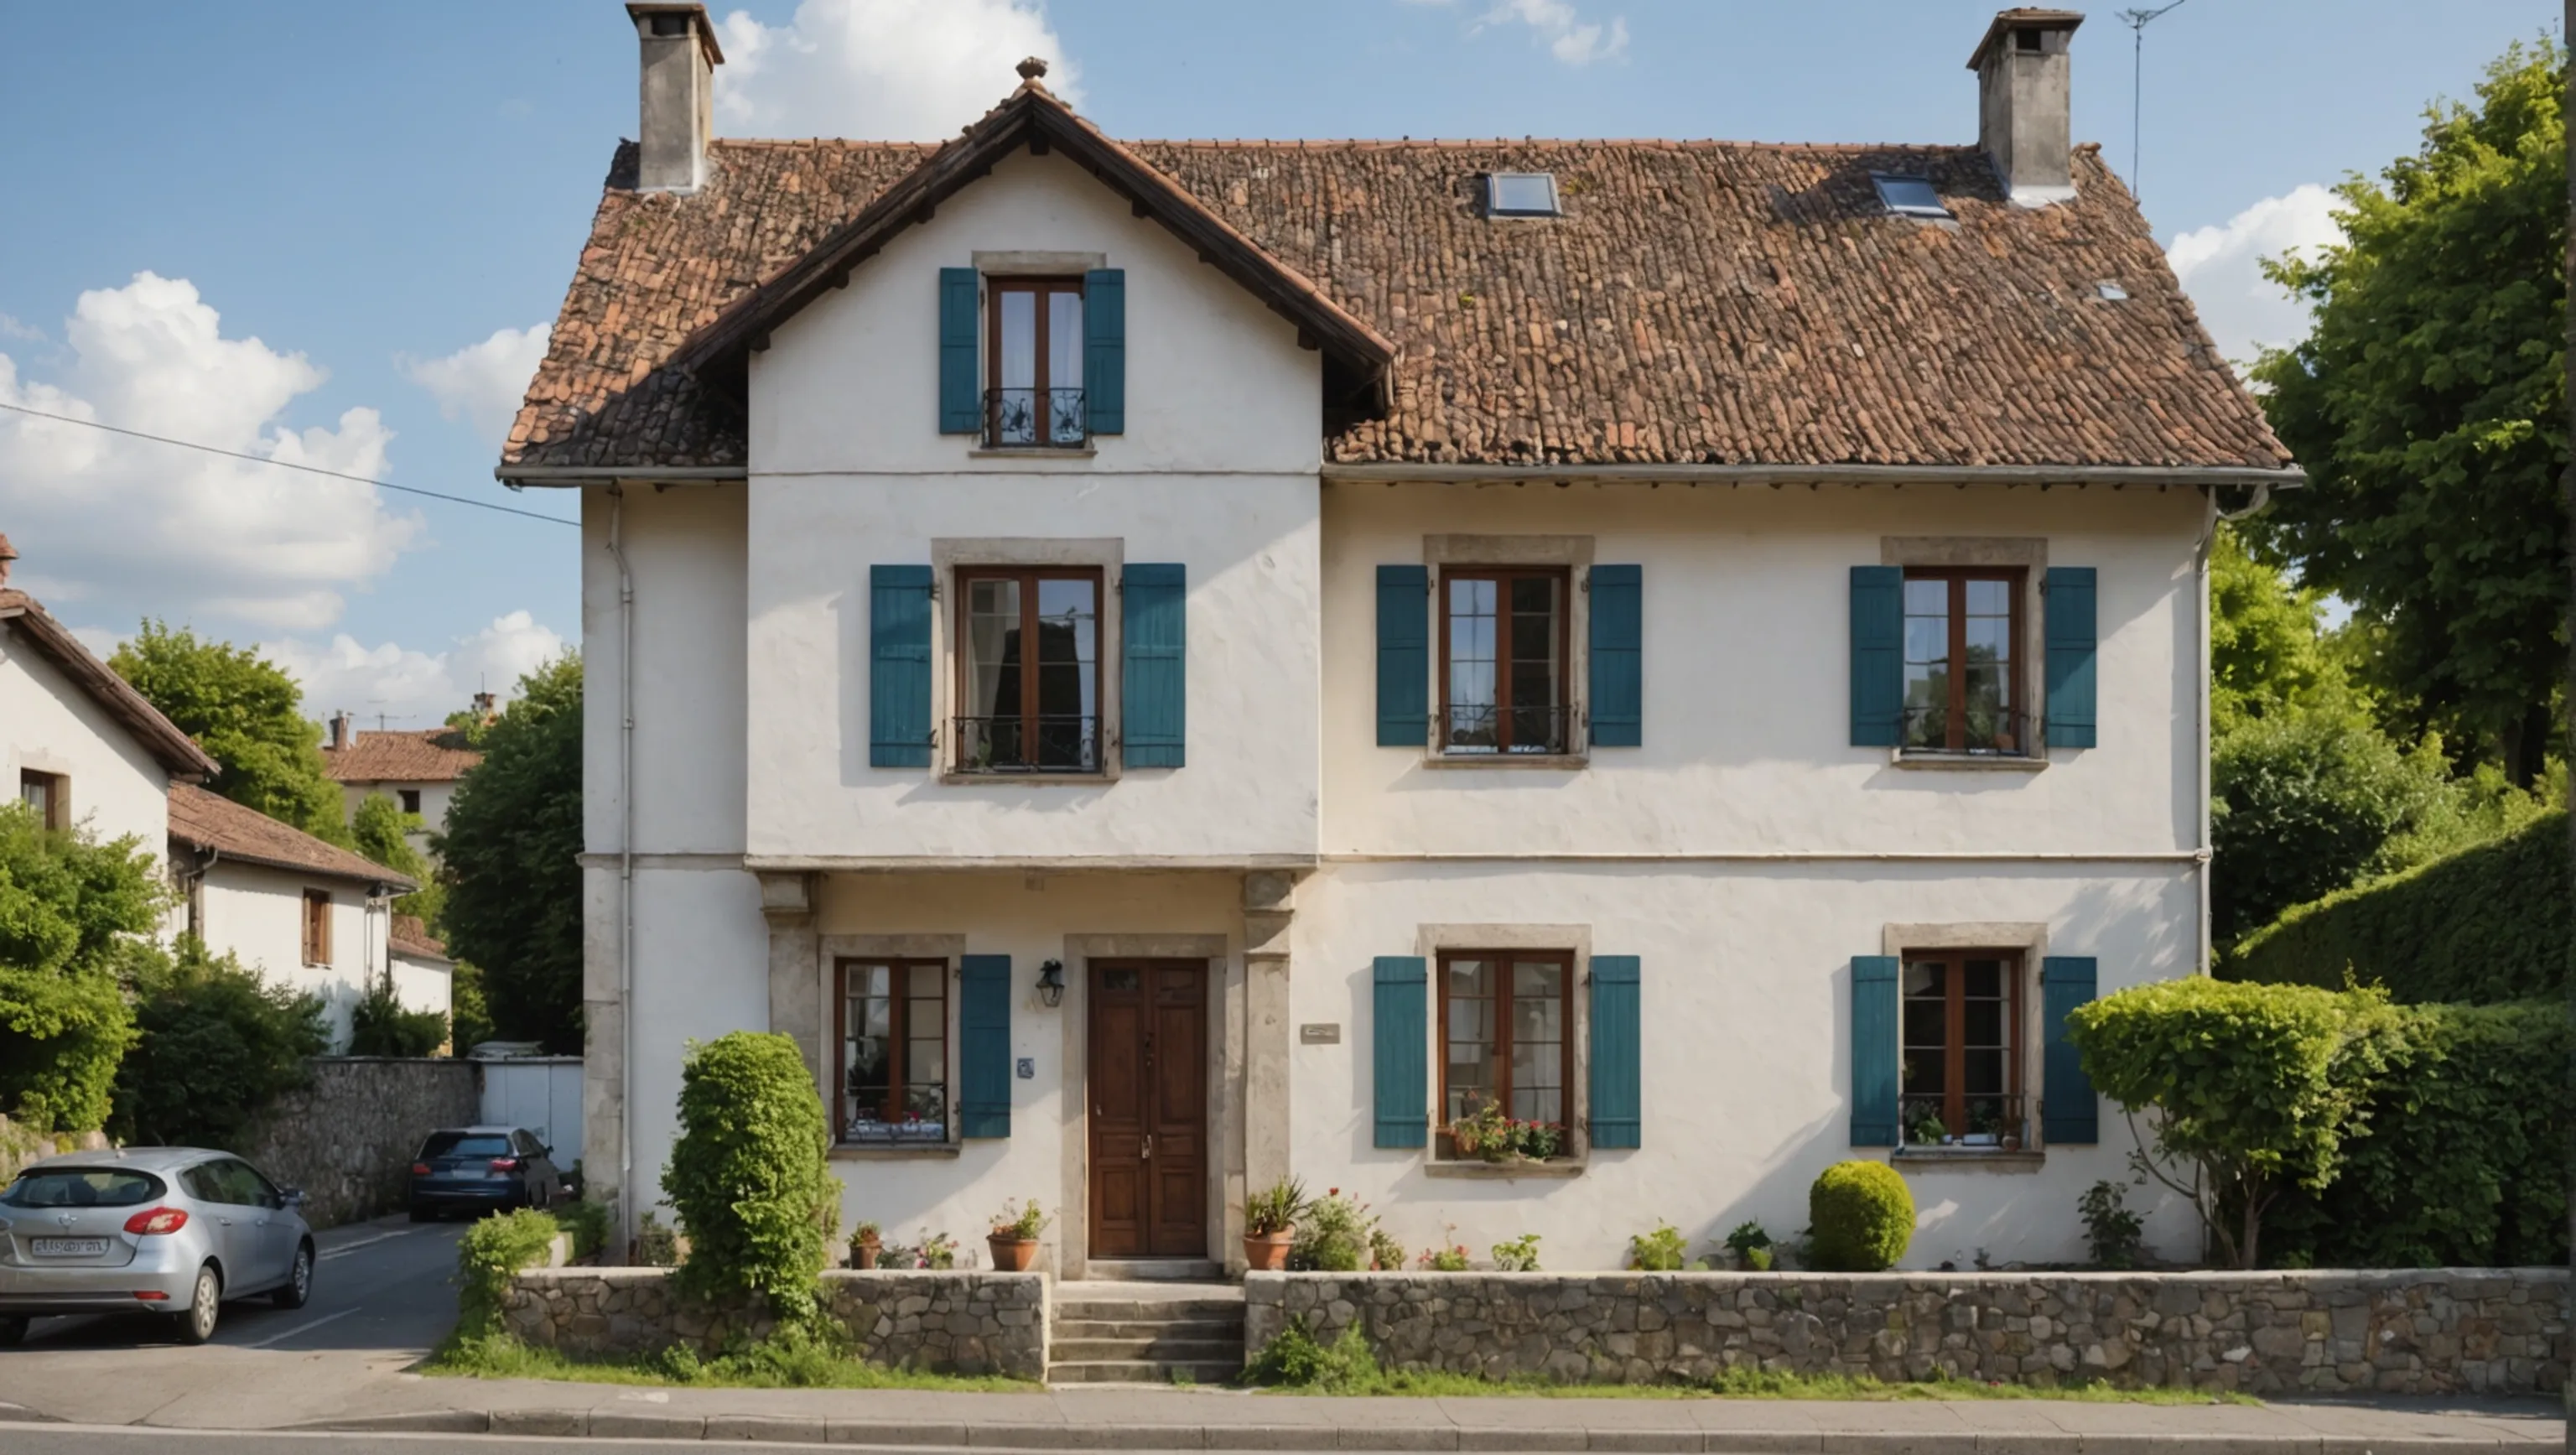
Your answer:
<point x="1961" y="1053"/>
<point x="48" y="794"/>
<point x="1033" y="391"/>
<point x="1963" y="690"/>
<point x="1503" y="651"/>
<point x="1028" y="670"/>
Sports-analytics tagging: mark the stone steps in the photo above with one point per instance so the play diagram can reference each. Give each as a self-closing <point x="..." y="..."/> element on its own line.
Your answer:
<point x="1191" y="1334"/>
<point x="1131" y="1371"/>
<point x="1161" y="1350"/>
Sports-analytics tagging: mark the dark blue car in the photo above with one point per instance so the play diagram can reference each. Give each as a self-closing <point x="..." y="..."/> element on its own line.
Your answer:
<point x="482" y="1169"/>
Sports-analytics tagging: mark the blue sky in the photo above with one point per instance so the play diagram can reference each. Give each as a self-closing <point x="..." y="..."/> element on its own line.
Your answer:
<point x="385" y="196"/>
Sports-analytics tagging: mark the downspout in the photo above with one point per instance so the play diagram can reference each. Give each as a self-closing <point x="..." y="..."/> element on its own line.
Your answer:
<point x="625" y="864"/>
<point x="2206" y="853"/>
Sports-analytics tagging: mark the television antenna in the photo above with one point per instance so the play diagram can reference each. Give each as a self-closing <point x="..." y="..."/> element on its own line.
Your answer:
<point x="2137" y="20"/>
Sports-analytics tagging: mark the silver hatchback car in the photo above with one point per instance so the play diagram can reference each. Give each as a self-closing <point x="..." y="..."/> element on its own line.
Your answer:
<point x="174" y="1230"/>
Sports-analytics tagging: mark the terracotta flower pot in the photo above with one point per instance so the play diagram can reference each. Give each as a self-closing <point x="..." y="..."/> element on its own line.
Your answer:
<point x="1013" y="1255"/>
<point x="1268" y="1252"/>
<point x="864" y="1255"/>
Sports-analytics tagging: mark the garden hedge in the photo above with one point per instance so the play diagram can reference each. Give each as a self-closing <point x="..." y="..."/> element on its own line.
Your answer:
<point x="2488" y="924"/>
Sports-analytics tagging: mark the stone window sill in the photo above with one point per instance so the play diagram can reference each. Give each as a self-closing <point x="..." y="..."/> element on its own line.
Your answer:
<point x="1502" y="1171"/>
<point x="1967" y="762"/>
<point x="870" y="1152"/>
<point x="1967" y="1159"/>
<point x="1560" y="762"/>
<point x="953" y="778"/>
<point x="1034" y="452"/>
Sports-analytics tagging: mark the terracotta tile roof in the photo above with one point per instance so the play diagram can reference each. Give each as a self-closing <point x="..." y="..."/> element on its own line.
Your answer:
<point x="410" y="936"/>
<point x="23" y="617"/>
<point x="204" y="820"/>
<point x="1700" y="302"/>
<point x="433" y="755"/>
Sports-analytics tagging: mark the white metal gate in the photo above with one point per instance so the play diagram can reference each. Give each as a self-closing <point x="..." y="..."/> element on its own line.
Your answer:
<point x="540" y="1093"/>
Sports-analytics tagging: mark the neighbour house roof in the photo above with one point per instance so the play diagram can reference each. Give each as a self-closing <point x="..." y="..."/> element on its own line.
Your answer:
<point x="1720" y="303"/>
<point x="203" y="820"/>
<point x="410" y="936"/>
<point x="432" y="755"/>
<point x="22" y="615"/>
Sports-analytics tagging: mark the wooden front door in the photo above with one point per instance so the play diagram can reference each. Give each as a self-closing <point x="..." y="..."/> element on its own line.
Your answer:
<point x="1148" y="1089"/>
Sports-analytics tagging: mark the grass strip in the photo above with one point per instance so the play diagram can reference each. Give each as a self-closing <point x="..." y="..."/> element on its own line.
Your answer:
<point x="772" y="1364"/>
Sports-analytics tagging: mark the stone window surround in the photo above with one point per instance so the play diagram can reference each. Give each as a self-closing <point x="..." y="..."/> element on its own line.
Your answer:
<point x="1574" y="553"/>
<point x="1430" y="942"/>
<point x="830" y="950"/>
<point x="1226" y="1085"/>
<point x="2029" y="555"/>
<point x="2029" y="940"/>
<point x="1105" y="554"/>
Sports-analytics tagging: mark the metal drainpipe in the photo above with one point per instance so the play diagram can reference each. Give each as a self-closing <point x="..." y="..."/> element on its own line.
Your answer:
<point x="625" y="865"/>
<point x="2208" y="542"/>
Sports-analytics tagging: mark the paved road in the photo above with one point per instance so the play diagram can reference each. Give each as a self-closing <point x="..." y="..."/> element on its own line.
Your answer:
<point x="81" y="1440"/>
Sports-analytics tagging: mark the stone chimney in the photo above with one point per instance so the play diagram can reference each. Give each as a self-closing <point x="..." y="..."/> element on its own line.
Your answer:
<point x="486" y="709"/>
<point x="2023" y="94"/>
<point x="341" y="735"/>
<point x="680" y="57"/>
<point x="8" y="553"/>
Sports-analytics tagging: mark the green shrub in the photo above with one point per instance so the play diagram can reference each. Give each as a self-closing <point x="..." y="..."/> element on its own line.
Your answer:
<point x="1334" y="1235"/>
<point x="380" y="1026"/>
<point x="1520" y="1255"/>
<point x="215" y="1045"/>
<point x="1294" y="1359"/>
<point x="1859" y="1218"/>
<point x="747" y="1174"/>
<point x="2490" y="923"/>
<point x="1660" y="1251"/>
<point x="75" y="917"/>
<point x="587" y="1221"/>
<point x="2110" y="1229"/>
<point x="2305" y="803"/>
<point x="491" y="1251"/>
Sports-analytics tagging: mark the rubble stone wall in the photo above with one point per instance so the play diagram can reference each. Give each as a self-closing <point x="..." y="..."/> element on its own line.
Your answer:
<point x="937" y="1321"/>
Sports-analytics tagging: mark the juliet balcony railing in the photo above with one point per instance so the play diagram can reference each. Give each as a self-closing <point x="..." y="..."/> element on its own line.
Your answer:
<point x="1987" y="1123"/>
<point x="1035" y="419"/>
<point x="924" y="1119"/>
<point x="1485" y="730"/>
<point x="1984" y="732"/>
<point x="1017" y="744"/>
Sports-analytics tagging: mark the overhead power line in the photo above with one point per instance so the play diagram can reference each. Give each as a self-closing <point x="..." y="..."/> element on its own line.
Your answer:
<point x="162" y="439"/>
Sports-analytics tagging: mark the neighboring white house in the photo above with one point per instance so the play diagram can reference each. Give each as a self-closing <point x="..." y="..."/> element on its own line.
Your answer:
<point x="1166" y="665"/>
<point x="418" y="770"/>
<point x="424" y="975"/>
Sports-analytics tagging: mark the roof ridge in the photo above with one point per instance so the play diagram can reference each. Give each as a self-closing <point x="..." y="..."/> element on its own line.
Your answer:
<point x="1442" y="142"/>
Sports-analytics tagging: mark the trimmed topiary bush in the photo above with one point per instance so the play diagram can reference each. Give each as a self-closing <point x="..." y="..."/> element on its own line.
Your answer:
<point x="1860" y="1216"/>
<point x="747" y="1174"/>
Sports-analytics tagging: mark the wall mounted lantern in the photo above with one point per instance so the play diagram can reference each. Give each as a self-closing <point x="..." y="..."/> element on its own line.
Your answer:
<point x="1051" y="983"/>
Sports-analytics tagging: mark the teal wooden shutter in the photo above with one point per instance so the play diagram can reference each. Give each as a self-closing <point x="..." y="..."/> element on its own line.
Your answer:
<point x="1403" y="656"/>
<point x="2068" y="605"/>
<point x="2069" y="1112"/>
<point x="1400" y="1037"/>
<point x="1618" y="678"/>
<point x="1616" y="1077"/>
<point x="984" y="1046"/>
<point x="1154" y="695"/>
<point x="1877" y="656"/>
<point x="1104" y="349"/>
<point x="899" y="667"/>
<point x="1875" y="1003"/>
<point x="961" y="397"/>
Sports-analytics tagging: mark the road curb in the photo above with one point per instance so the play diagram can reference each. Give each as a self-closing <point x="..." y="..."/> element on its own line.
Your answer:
<point x="21" y="1415"/>
<point x="891" y="1435"/>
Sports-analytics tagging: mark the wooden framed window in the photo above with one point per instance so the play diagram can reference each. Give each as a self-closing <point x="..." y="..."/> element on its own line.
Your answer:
<point x="1506" y="1035"/>
<point x="317" y="927"/>
<point x="1033" y="385"/>
<point x="890" y="1018"/>
<point x="1028" y="670"/>
<point x="1961" y="1048"/>
<point x="1504" y="653"/>
<point x="49" y="794"/>
<point x="1963" y="691"/>
<point x="409" y="798"/>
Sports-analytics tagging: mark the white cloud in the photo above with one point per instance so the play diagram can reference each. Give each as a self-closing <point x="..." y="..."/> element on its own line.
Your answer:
<point x="2220" y="269"/>
<point x="12" y="328"/>
<point x="1570" y="38"/>
<point x="125" y="525"/>
<point x="409" y="687"/>
<point x="483" y="383"/>
<point x="883" y="70"/>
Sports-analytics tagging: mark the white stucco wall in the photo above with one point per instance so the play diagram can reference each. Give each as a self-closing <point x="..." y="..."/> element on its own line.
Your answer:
<point x="256" y="914"/>
<point x="424" y="984"/>
<point x="434" y="799"/>
<point x="49" y="724"/>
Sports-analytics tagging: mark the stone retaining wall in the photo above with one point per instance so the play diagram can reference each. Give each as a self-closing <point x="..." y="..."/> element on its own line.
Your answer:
<point x="942" y="1322"/>
<point x="348" y="1137"/>
<point x="2428" y="1331"/>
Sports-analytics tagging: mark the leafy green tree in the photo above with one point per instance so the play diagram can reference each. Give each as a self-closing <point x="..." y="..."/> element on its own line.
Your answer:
<point x="2268" y="654"/>
<point x="2306" y="803"/>
<point x="379" y="831"/>
<point x="2251" y="1090"/>
<point x="216" y="1046"/>
<point x="247" y="713"/>
<point x="74" y="917"/>
<point x="2427" y="405"/>
<point x="510" y="861"/>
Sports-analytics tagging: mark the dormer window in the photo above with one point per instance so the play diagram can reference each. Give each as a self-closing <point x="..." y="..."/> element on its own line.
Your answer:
<point x="1033" y="392"/>
<point x="1521" y="194"/>
<point x="1909" y="196"/>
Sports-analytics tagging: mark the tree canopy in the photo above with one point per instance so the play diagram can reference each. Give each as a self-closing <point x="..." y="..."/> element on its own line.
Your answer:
<point x="75" y="915"/>
<point x="247" y="713"/>
<point x="380" y="832"/>
<point x="510" y="855"/>
<point x="2427" y="406"/>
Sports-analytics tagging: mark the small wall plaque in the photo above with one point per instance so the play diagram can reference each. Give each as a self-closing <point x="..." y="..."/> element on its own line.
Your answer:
<point x="1320" y="1033"/>
<point x="1028" y="1068"/>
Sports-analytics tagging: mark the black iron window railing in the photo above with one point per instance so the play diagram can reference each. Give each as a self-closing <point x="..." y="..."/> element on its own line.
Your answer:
<point x="1482" y="729"/>
<point x="1020" y="744"/>
<point x="924" y="1118"/>
<point x="1985" y="732"/>
<point x="1035" y="418"/>
<point x="1993" y="1122"/>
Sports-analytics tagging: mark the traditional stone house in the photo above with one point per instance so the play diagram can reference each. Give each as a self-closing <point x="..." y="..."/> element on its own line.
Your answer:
<point x="417" y="769"/>
<point x="1167" y="665"/>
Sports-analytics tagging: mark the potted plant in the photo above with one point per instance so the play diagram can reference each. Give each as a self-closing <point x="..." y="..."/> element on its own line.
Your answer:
<point x="1537" y="1141"/>
<point x="1014" y="1238"/>
<point x="1488" y="1133"/>
<point x="1270" y="1225"/>
<point x="1751" y="1246"/>
<point x="866" y="1242"/>
<point x="938" y="1250"/>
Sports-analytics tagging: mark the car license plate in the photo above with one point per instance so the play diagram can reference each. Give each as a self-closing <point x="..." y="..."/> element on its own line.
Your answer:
<point x="70" y="1247"/>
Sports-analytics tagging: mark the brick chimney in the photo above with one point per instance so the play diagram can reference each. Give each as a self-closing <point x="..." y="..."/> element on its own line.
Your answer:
<point x="2023" y="91"/>
<point x="8" y="553"/>
<point x="341" y="735"/>
<point x="679" y="60"/>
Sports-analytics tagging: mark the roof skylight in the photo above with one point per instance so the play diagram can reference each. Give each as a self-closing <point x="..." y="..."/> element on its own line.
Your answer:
<point x="2110" y="292"/>
<point x="1909" y="196"/>
<point x="1521" y="194"/>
